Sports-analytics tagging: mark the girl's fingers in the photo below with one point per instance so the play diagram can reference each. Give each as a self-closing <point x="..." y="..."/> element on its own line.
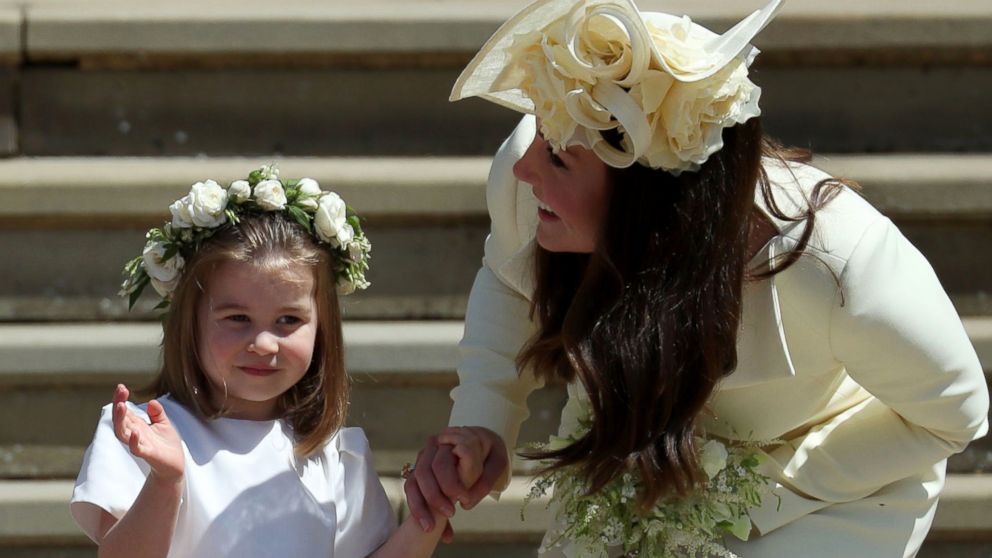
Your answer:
<point x="485" y="438"/>
<point x="469" y="473"/>
<point x="121" y="423"/>
<point x="458" y="441"/>
<point x="469" y="449"/>
<point x="156" y="413"/>
<point x="121" y="393"/>
<point x="462" y="436"/>
<point x="134" y="443"/>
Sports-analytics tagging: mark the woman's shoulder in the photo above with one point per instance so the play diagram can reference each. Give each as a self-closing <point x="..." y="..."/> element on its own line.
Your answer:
<point x="839" y="225"/>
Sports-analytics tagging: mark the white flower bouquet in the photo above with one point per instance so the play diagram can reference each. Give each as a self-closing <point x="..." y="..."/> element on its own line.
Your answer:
<point x="591" y="525"/>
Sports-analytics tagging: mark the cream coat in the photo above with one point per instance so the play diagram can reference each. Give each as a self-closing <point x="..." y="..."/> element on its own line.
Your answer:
<point x="854" y="356"/>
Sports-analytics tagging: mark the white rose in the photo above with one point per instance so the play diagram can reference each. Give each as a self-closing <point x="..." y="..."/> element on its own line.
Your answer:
<point x="270" y="195"/>
<point x="309" y="192"/>
<point x="239" y="191"/>
<point x="530" y="72"/>
<point x="164" y="275"/>
<point x="345" y="235"/>
<point x="682" y="49"/>
<point x="577" y="71"/>
<point x="713" y="458"/>
<point x="181" y="216"/>
<point x="164" y="288"/>
<point x="206" y="203"/>
<point x="605" y="43"/>
<point x="331" y="216"/>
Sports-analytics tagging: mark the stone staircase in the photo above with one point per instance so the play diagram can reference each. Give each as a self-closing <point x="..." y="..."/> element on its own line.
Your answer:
<point x="110" y="109"/>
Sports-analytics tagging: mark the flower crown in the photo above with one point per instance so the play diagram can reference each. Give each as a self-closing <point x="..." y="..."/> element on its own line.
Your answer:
<point x="667" y="85"/>
<point x="200" y="213"/>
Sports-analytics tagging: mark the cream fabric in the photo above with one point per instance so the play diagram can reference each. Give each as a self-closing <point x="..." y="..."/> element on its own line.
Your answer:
<point x="854" y="356"/>
<point x="671" y="86"/>
<point x="245" y="495"/>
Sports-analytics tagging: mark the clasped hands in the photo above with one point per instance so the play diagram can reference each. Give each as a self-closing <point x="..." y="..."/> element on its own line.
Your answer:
<point x="463" y="452"/>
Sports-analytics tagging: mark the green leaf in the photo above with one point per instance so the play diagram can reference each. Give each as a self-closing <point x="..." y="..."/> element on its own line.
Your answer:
<point x="232" y="216"/>
<point x="299" y="216"/>
<point x="140" y="286"/>
<point x="162" y="305"/>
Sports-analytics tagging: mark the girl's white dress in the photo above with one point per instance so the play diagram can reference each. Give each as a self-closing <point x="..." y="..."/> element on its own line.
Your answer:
<point x="245" y="495"/>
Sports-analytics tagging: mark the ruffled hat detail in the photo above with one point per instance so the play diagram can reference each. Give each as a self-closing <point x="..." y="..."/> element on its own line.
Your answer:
<point x="667" y="85"/>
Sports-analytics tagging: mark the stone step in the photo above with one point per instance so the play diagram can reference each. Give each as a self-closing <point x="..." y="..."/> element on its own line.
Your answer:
<point x="373" y="77"/>
<point x="52" y="372"/>
<point x="36" y="521"/>
<point x="69" y="29"/>
<point x="399" y="111"/>
<point x="426" y="217"/>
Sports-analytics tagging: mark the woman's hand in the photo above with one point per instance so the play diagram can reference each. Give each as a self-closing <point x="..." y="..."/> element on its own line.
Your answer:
<point x="157" y="443"/>
<point x="436" y="482"/>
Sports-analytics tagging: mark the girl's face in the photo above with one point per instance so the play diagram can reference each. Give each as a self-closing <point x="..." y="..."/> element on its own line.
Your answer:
<point x="571" y="188"/>
<point x="257" y="330"/>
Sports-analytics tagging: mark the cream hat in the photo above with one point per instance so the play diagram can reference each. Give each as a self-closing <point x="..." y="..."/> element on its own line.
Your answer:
<point x="670" y="86"/>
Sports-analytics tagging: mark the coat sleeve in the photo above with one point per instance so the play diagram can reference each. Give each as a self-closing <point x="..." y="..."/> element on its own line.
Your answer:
<point x="491" y="391"/>
<point x="897" y="335"/>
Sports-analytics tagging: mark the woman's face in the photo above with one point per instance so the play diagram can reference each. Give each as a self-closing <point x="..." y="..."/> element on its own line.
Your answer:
<point x="571" y="188"/>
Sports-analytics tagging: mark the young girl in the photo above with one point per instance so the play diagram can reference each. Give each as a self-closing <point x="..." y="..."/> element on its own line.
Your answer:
<point x="243" y="453"/>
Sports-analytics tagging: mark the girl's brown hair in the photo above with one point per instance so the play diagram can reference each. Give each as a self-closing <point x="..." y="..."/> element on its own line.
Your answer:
<point x="648" y="322"/>
<point x="314" y="407"/>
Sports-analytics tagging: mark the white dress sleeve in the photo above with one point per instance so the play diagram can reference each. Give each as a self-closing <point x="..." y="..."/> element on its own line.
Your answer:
<point x="110" y="477"/>
<point x="899" y="337"/>
<point x="365" y="516"/>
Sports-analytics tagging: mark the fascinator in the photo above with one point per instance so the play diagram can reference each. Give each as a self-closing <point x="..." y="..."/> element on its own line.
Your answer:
<point x="666" y="85"/>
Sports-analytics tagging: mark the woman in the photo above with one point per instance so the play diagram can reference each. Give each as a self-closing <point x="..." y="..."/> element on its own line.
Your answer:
<point x="683" y="274"/>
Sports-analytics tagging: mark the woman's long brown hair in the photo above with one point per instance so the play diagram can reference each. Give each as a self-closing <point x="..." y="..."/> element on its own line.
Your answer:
<point x="648" y="322"/>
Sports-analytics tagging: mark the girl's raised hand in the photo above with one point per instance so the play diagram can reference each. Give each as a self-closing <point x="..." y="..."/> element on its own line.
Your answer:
<point x="157" y="443"/>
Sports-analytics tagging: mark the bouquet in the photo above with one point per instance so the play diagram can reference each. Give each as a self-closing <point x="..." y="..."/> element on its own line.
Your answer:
<point x="591" y="524"/>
